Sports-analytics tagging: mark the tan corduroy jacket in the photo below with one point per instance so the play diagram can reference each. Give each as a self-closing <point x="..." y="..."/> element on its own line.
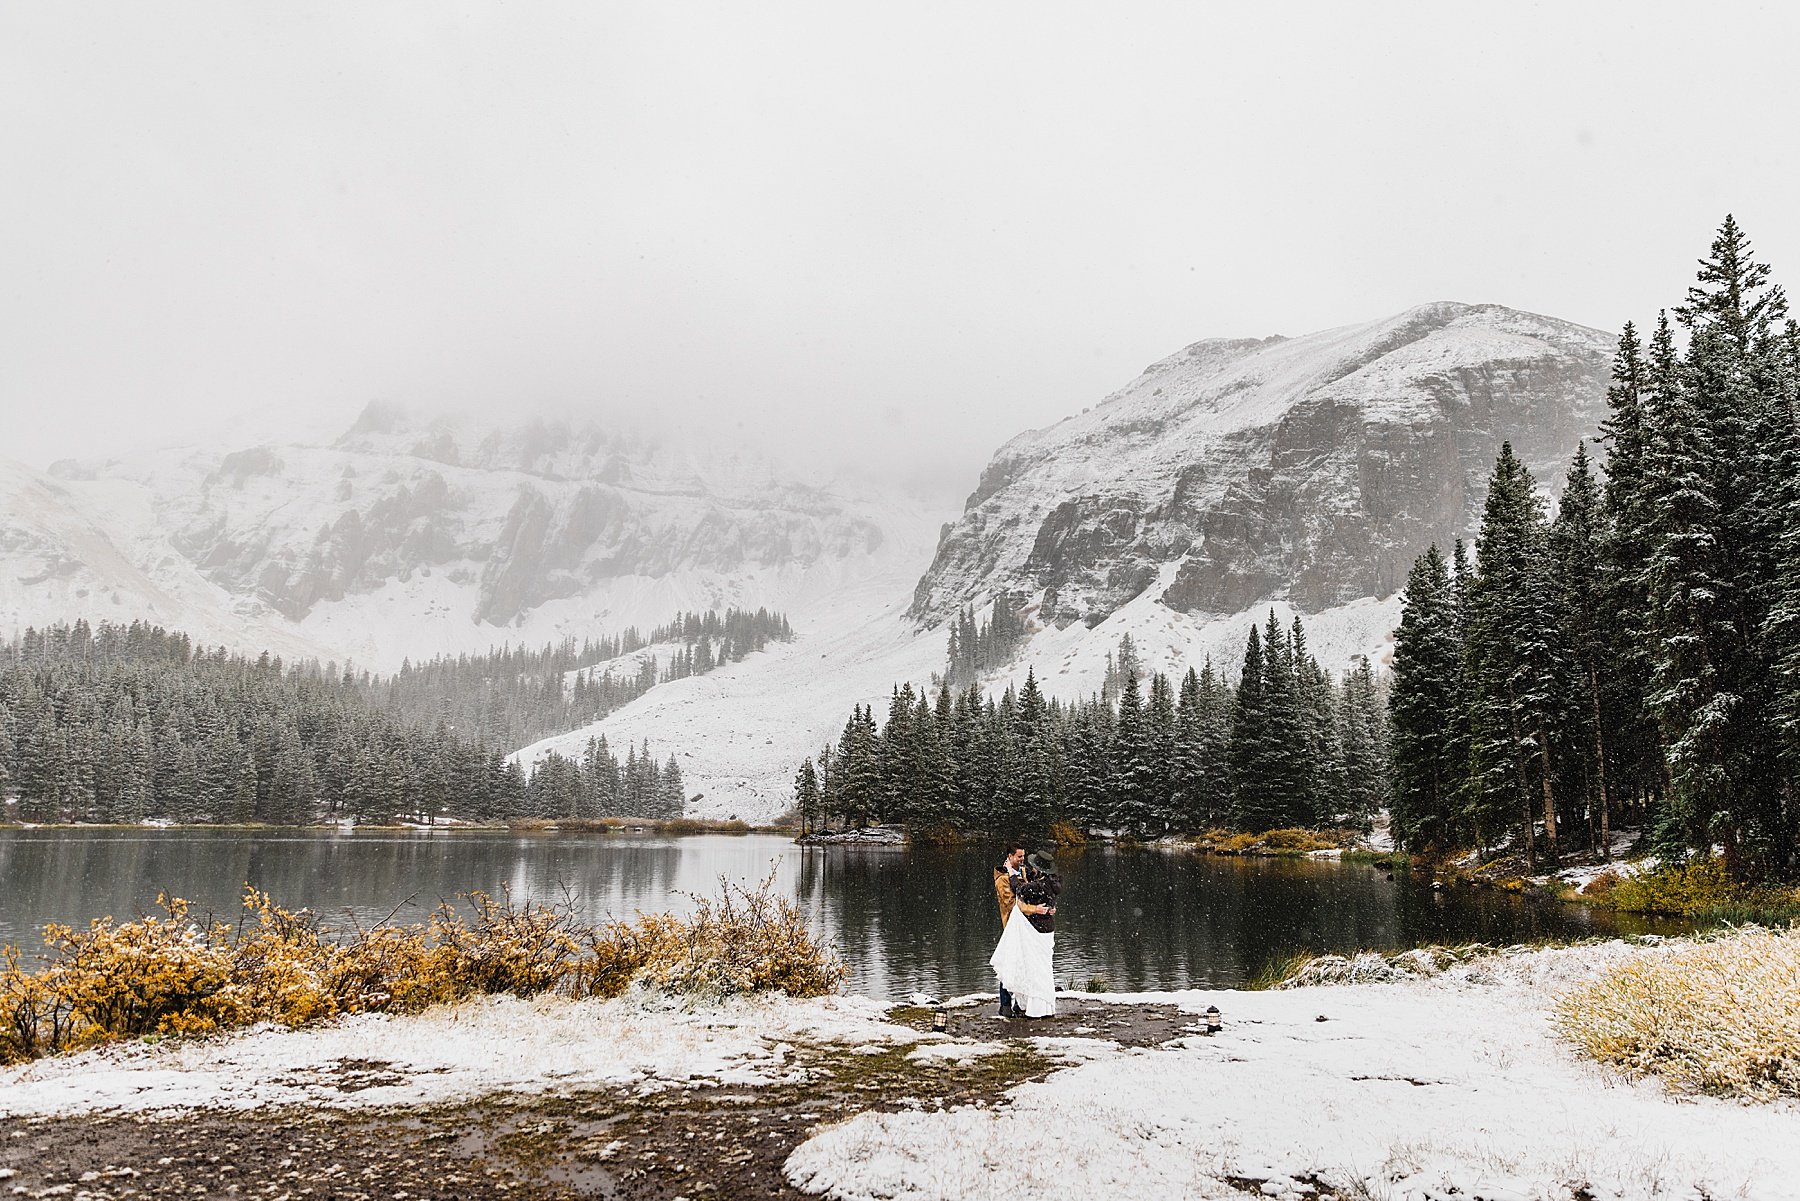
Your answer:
<point x="1003" y="893"/>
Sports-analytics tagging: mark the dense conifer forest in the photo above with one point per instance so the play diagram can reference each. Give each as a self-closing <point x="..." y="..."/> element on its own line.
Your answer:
<point x="1286" y="747"/>
<point x="1638" y="657"/>
<point x="132" y="723"/>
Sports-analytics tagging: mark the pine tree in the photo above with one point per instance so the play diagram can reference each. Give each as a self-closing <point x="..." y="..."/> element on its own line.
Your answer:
<point x="1189" y="802"/>
<point x="1319" y="775"/>
<point x="1428" y="764"/>
<point x="1159" y="716"/>
<point x="1782" y="627"/>
<point x="1575" y="540"/>
<point x="671" y="791"/>
<point x="1089" y="766"/>
<point x="859" y="768"/>
<point x="1283" y="759"/>
<point x="806" y="797"/>
<point x="1038" y="755"/>
<point x="1362" y="736"/>
<point x="1717" y="453"/>
<point x="1627" y="539"/>
<point x="1213" y="797"/>
<point x="1514" y="661"/>
<point x="1256" y="801"/>
<point x="1134" y="783"/>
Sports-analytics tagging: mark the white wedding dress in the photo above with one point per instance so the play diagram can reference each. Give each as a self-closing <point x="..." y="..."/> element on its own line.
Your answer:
<point x="1023" y="963"/>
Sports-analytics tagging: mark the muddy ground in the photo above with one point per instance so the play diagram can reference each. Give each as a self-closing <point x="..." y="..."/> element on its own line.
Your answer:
<point x="703" y="1142"/>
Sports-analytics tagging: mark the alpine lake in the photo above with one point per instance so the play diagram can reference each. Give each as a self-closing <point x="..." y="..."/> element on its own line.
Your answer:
<point x="914" y="919"/>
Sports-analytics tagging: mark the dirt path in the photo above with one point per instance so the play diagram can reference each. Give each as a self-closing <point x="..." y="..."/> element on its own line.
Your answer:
<point x="709" y="1141"/>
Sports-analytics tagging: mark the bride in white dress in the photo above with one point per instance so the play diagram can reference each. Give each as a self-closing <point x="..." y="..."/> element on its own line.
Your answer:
<point x="1024" y="958"/>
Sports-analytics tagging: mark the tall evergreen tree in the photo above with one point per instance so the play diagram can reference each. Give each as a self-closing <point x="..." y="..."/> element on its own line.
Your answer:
<point x="1257" y="803"/>
<point x="1429" y="765"/>
<point x="1587" y="633"/>
<point x="1711" y="578"/>
<point x="1134" y="782"/>
<point x="1514" y="660"/>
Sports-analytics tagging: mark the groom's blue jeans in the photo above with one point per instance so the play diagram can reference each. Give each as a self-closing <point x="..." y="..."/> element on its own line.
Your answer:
<point x="1005" y="1001"/>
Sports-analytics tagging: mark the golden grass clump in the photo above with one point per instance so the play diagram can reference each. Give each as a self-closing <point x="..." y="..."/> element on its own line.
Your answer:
<point x="1700" y="887"/>
<point x="1717" y="1016"/>
<point x="169" y="975"/>
<point x="1289" y="841"/>
<point x="740" y="942"/>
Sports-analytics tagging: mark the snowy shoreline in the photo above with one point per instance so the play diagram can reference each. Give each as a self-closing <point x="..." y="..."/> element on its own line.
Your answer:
<point x="1450" y="1086"/>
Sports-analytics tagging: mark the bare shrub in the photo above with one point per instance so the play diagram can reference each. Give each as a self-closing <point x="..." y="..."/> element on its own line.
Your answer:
<point x="1715" y="1016"/>
<point x="1601" y="885"/>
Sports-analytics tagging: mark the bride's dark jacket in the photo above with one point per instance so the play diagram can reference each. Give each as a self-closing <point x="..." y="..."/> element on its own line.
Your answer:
<point x="1039" y="889"/>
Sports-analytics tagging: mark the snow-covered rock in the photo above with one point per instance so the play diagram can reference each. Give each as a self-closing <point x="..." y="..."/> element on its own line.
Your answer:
<point x="1311" y="469"/>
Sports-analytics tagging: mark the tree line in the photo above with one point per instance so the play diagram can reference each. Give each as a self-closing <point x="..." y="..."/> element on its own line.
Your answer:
<point x="978" y="647"/>
<point x="513" y="696"/>
<point x="1637" y="656"/>
<point x="1286" y="746"/>
<point x="132" y="723"/>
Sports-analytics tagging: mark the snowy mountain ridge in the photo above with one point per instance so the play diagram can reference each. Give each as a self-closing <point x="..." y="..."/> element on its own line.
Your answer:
<point x="410" y="537"/>
<point x="1310" y="469"/>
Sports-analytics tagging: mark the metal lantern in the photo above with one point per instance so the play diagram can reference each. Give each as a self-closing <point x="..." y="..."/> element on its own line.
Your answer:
<point x="939" y="1019"/>
<point x="1214" y="1023"/>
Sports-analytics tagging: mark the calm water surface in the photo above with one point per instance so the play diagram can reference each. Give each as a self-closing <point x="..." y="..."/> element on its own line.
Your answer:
<point x="919" y="919"/>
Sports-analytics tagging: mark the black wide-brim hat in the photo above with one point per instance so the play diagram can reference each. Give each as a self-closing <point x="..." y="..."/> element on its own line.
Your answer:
<point x="1042" y="861"/>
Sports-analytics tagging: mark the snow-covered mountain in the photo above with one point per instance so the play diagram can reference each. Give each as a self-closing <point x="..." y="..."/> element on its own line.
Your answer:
<point x="1296" y="474"/>
<point x="1310" y="470"/>
<point x="1302" y="474"/>
<point x="96" y="549"/>
<point x="407" y="537"/>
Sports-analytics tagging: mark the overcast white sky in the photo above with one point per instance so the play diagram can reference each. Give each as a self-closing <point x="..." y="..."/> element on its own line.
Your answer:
<point x="893" y="234"/>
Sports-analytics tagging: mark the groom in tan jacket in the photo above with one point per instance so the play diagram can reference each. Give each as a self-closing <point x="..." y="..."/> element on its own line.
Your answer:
<point x="1011" y="872"/>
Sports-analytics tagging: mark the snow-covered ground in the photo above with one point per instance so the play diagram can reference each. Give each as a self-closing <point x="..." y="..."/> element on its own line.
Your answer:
<point x="1071" y="662"/>
<point x="1424" y="1090"/>
<point x="741" y="731"/>
<point x="1419" y="1091"/>
<point x="493" y="1044"/>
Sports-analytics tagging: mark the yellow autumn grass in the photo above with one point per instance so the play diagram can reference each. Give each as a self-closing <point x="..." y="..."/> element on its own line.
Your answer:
<point x="167" y="974"/>
<point x="1291" y="840"/>
<point x="1717" y="1016"/>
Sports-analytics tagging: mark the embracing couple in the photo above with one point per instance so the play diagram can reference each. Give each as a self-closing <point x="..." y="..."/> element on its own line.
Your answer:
<point x="1026" y="887"/>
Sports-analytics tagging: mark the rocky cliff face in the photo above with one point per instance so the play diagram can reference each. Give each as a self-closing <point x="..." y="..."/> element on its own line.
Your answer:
<point x="1310" y="469"/>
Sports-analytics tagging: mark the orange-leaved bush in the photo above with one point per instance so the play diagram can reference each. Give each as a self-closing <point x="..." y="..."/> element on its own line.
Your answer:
<point x="170" y="974"/>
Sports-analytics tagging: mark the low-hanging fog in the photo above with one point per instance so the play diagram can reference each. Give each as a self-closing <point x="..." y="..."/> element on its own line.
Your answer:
<point x="876" y="239"/>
